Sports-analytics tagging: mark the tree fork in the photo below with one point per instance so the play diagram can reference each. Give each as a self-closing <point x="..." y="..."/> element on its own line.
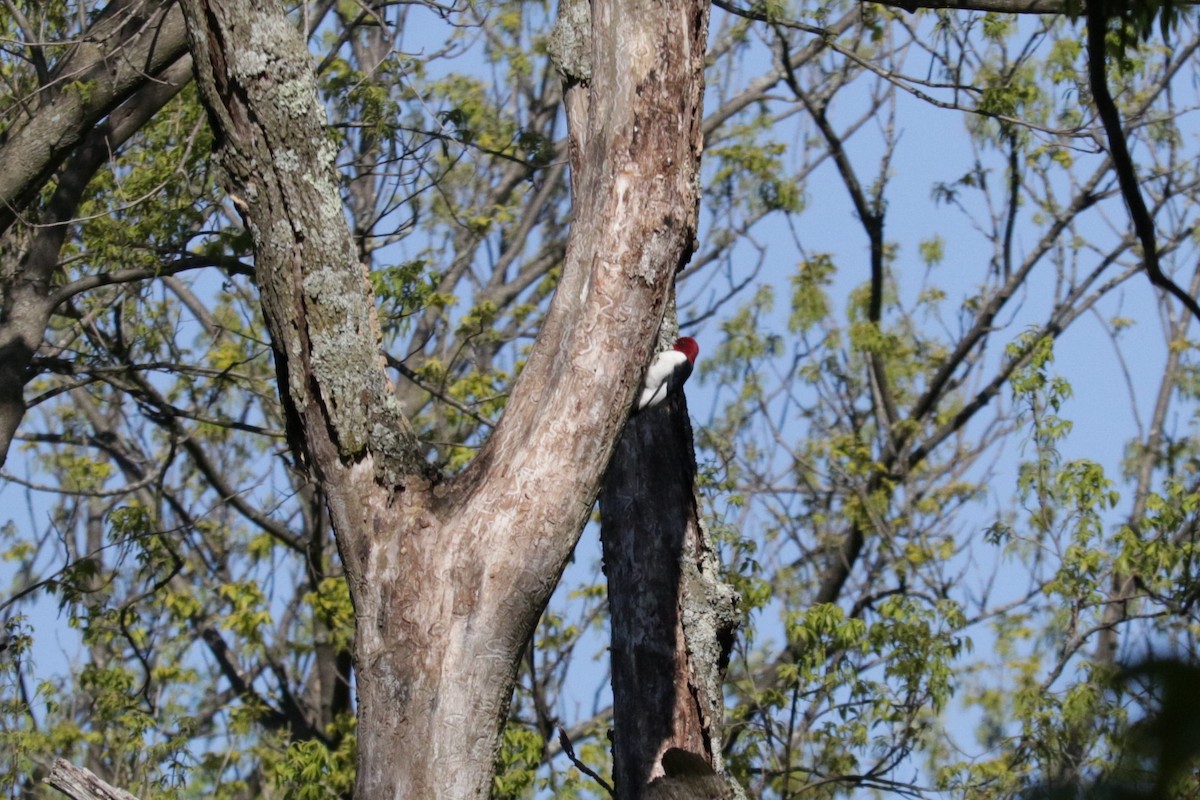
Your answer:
<point x="448" y="577"/>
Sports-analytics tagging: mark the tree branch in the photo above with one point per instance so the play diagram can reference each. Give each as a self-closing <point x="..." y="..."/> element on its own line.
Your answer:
<point x="1143" y="223"/>
<point x="80" y="784"/>
<point x="131" y="41"/>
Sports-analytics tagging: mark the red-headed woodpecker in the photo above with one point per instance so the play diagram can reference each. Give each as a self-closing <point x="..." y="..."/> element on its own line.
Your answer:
<point x="667" y="372"/>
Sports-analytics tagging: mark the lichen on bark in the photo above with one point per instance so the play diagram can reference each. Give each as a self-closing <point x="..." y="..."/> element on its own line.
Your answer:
<point x="710" y="617"/>
<point x="570" y="43"/>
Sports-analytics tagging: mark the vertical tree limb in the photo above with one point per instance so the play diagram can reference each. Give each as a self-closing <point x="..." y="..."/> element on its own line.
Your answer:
<point x="672" y="617"/>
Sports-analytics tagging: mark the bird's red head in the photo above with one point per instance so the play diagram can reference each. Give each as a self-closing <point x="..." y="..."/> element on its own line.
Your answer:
<point x="687" y="345"/>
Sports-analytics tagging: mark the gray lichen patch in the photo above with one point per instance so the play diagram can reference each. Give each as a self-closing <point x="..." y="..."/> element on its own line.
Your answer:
<point x="297" y="98"/>
<point x="570" y="43"/>
<point x="272" y="63"/>
<point x="709" y="615"/>
<point x="287" y="160"/>
<point x="345" y="361"/>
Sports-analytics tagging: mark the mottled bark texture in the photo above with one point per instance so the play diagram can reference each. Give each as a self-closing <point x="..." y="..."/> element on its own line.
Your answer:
<point x="449" y="576"/>
<point x="672" y="617"/>
<point x="81" y="784"/>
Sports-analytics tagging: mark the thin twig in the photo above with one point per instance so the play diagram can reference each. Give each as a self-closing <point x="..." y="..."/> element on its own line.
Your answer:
<point x="582" y="767"/>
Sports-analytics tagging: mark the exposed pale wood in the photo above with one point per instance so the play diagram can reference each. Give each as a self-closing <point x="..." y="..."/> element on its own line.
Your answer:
<point x="81" y="784"/>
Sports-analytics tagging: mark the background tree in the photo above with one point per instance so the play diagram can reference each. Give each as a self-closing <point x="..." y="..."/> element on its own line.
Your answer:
<point x="936" y="569"/>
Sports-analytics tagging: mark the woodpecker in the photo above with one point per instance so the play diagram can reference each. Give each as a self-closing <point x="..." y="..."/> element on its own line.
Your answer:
<point x="667" y="372"/>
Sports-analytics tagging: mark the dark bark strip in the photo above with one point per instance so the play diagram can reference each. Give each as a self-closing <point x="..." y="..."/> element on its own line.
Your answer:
<point x="672" y="618"/>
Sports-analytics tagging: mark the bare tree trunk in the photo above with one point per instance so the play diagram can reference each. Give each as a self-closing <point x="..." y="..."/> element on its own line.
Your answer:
<point x="672" y="617"/>
<point x="449" y="576"/>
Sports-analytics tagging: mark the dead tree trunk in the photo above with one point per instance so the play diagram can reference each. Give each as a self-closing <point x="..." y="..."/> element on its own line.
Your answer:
<point x="672" y="617"/>
<point x="448" y="576"/>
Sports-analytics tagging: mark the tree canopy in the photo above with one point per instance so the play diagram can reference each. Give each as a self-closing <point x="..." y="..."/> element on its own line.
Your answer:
<point x="943" y="414"/>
